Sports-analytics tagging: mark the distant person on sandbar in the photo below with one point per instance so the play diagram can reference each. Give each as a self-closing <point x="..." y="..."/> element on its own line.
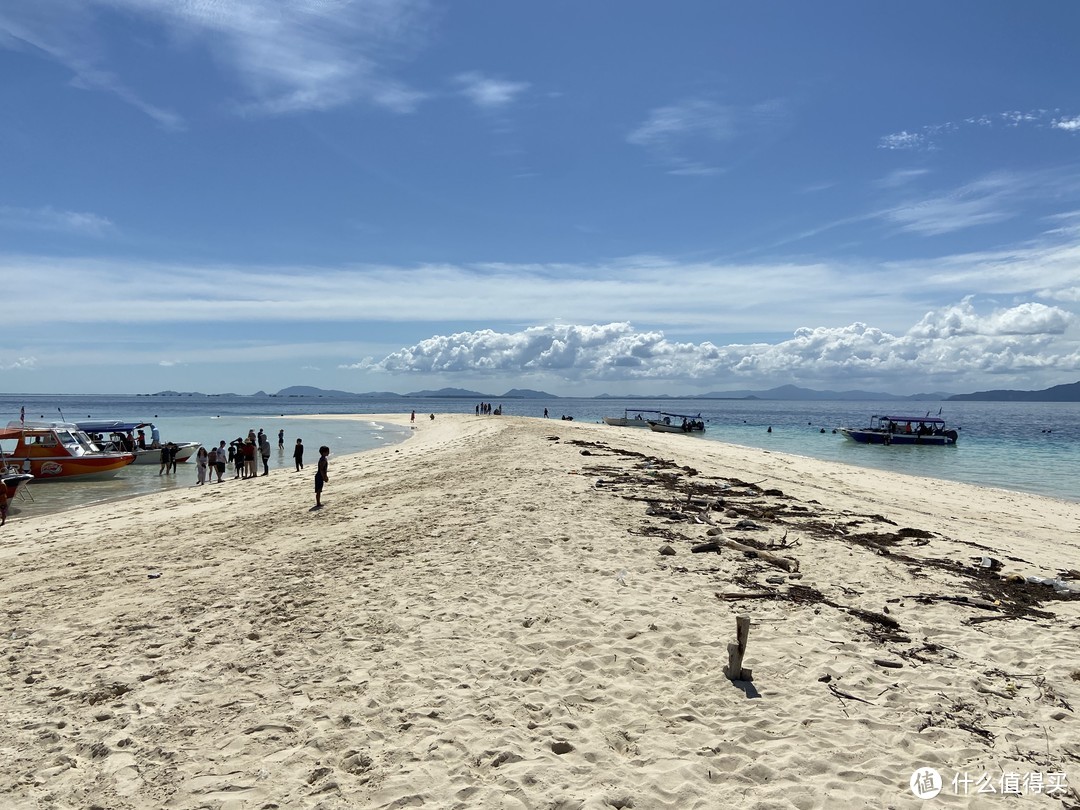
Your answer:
<point x="281" y="439"/>
<point x="298" y="455"/>
<point x="321" y="475"/>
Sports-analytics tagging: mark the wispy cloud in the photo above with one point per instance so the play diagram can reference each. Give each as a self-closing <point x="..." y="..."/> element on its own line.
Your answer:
<point x="488" y="93"/>
<point x="669" y="133"/>
<point x="901" y="177"/>
<point x="930" y="136"/>
<point x="288" y="56"/>
<point x="686" y="136"/>
<point x="49" y="219"/>
<point x="993" y="198"/>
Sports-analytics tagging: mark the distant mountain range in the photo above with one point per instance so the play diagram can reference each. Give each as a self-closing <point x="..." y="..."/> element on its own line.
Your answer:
<point x="1069" y="392"/>
<point x="1058" y="393"/>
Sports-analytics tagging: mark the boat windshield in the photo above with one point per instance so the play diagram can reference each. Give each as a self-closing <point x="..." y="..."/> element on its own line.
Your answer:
<point x="88" y="444"/>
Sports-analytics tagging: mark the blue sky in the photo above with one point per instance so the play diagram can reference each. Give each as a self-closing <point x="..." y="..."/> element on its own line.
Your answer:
<point x="620" y="197"/>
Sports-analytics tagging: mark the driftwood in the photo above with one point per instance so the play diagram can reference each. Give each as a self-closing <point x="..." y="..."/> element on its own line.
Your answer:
<point x="749" y="595"/>
<point x="734" y="669"/>
<point x="789" y="564"/>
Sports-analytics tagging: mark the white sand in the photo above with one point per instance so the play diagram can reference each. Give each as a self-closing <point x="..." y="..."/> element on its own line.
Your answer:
<point x="480" y="618"/>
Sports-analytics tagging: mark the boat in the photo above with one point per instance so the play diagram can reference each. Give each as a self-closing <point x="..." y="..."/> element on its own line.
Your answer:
<point x="12" y="481"/>
<point x="678" y="423"/>
<point x="626" y="420"/>
<point x="887" y="429"/>
<point x="56" y="450"/>
<point x="121" y="439"/>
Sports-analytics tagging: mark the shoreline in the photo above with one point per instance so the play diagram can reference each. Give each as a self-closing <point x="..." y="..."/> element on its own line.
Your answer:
<point x="481" y="616"/>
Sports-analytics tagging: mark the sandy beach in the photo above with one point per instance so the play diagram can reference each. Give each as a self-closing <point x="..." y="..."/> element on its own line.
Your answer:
<point x="504" y="612"/>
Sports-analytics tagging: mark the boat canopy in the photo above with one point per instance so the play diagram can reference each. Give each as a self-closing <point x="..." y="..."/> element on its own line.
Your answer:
<point x="926" y="420"/>
<point x="112" y="427"/>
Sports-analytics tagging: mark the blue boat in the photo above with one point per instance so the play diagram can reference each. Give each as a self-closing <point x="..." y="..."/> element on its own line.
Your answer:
<point x="927" y="430"/>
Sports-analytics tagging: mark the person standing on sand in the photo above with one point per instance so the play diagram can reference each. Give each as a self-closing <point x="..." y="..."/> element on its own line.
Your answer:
<point x="251" y="464"/>
<point x="3" y="503"/>
<point x="264" y="450"/>
<point x="298" y="455"/>
<point x="222" y="458"/>
<point x="202" y="461"/>
<point x="321" y="476"/>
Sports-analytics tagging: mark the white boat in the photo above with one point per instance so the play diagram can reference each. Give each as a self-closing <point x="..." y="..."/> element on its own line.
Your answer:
<point x="638" y="419"/>
<point x="130" y="437"/>
<point x="678" y="423"/>
<point x="13" y="480"/>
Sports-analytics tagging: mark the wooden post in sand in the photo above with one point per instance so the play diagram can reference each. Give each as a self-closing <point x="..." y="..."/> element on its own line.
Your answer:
<point x="734" y="669"/>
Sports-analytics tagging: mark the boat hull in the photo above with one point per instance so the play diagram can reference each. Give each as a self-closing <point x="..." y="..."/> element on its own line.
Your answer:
<point x="12" y="482"/>
<point x="658" y="427"/>
<point x="63" y="467"/>
<point x="887" y="438"/>
<point x="618" y="421"/>
<point x="153" y="456"/>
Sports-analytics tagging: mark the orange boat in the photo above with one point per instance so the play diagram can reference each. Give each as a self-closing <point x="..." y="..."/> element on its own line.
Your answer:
<point x="59" y="450"/>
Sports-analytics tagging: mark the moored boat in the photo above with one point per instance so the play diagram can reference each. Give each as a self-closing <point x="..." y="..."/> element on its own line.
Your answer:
<point x="678" y="423"/>
<point x="59" y="450"/>
<point x="130" y="437"/>
<point x="632" y="417"/>
<point x="889" y="430"/>
<point x="13" y="481"/>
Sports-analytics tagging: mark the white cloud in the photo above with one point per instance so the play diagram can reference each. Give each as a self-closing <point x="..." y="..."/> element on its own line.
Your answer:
<point x="903" y="141"/>
<point x="488" y="93"/>
<point x="686" y="136"/>
<point x="18" y="364"/>
<point x="929" y="136"/>
<point x="901" y="177"/>
<point x="669" y="132"/>
<point x="49" y="219"/>
<point x="993" y="198"/>
<point x="946" y="346"/>
<point x="289" y="56"/>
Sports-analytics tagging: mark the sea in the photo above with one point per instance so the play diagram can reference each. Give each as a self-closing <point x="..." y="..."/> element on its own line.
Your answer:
<point x="1031" y="447"/>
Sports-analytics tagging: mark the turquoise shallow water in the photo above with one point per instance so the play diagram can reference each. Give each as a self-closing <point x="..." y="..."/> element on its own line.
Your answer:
<point x="1028" y="447"/>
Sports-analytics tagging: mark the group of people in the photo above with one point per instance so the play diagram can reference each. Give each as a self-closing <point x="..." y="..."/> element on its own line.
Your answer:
<point x="244" y="454"/>
<point x="486" y="409"/>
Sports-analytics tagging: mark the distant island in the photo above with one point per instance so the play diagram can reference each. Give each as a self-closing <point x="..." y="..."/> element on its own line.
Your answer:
<point x="1058" y="393"/>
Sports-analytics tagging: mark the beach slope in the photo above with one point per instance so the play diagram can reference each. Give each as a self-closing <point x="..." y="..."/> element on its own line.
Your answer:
<point x="508" y="613"/>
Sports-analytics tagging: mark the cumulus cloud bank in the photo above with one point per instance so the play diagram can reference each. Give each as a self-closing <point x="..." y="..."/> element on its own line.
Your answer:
<point x="941" y="346"/>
